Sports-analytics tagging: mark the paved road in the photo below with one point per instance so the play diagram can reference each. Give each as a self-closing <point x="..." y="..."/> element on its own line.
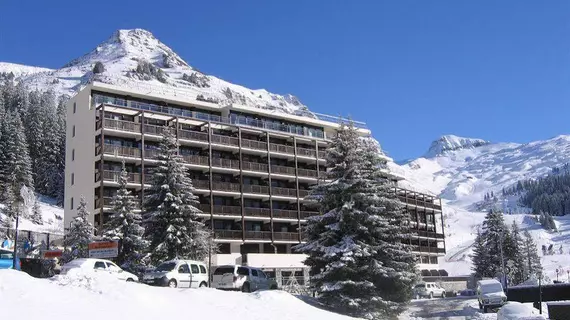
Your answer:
<point x="449" y="309"/>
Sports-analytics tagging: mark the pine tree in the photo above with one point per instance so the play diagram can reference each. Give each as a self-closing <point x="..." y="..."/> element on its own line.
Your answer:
<point x="359" y="264"/>
<point x="173" y="228"/>
<point x="60" y="158"/>
<point x="532" y="265"/>
<point x="37" y="217"/>
<point x="480" y="256"/>
<point x="125" y="225"/>
<point x="514" y="259"/>
<point x="489" y="264"/>
<point x="79" y="234"/>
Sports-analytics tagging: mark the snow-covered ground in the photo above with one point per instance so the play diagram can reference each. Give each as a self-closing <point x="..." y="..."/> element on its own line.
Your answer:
<point x="52" y="217"/>
<point x="88" y="296"/>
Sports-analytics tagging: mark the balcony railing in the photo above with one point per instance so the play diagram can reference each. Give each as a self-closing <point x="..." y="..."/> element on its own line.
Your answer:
<point x="252" y="144"/>
<point x="154" y="130"/>
<point x="151" y="154"/>
<point x="285" y="214"/>
<point x="303" y="152"/>
<point x="257" y="212"/>
<point x="282" y="170"/>
<point x="254" y="166"/>
<point x="201" y="184"/>
<point x="122" y="125"/>
<point x="278" y="191"/>
<point x="115" y="176"/>
<point x="303" y="193"/>
<point x="119" y="151"/>
<point x="225" y="163"/>
<point x="227" y="210"/>
<point x="192" y="135"/>
<point x="250" y="188"/>
<point x="307" y="173"/>
<point x="229" y="141"/>
<point x="229" y="234"/>
<point x="322" y="154"/>
<point x="225" y="186"/>
<point x="429" y="234"/>
<point x="418" y="202"/>
<point x="285" y="236"/>
<point x="258" y="235"/>
<point x="306" y="214"/>
<point x="424" y="249"/>
<point x="273" y="147"/>
<point x="205" y="207"/>
<point x="107" y="202"/>
<point x="195" y="159"/>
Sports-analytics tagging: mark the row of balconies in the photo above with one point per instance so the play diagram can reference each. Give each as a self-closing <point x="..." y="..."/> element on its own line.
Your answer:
<point x="152" y="154"/>
<point x="189" y="135"/>
<point x="426" y="249"/>
<point x="256" y="235"/>
<point x="419" y="202"/>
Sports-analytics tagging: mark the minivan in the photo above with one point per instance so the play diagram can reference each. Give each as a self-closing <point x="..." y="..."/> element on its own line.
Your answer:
<point x="490" y="294"/>
<point x="241" y="278"/>
<point x="178" y="274"/>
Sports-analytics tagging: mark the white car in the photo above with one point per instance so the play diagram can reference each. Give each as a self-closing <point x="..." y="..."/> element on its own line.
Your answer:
<point x="517" y="311"/>
<point x="246" y="279"/>
<point x="429" y="290"/>
<point x="490" y="294"/>
<point x="178" y="274"/>
<point x="99" y="265"/>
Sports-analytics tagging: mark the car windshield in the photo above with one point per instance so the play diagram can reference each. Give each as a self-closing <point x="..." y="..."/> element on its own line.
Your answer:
<point x="492" y="287"/>
<point x="167" y="266"/>
<point x="5" y="255"/>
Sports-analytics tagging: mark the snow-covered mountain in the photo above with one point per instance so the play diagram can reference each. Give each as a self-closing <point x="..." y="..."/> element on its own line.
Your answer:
<point x="136" y="58"/>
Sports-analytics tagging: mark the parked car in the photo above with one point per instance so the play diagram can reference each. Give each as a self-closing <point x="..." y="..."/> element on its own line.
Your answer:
<point x="178" y="274"/>
<point x="516" y="311"/>
<point x="490" y="294"/>
<point x="429" y="290"/>
<point x="241" y="278"/>
<point x="99" y="265"/>
<point x="7" y="260"/>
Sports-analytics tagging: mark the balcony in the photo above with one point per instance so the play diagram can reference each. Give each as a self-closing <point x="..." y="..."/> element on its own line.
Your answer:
<point x="322" y="154"/>
<point x="287" y="192"/>
<point x="307" y="173"/>
<point x="225" y="186"/>
<point x="258" y="235"/>
<point x="303" y="152"/>
<point x="154" y="129"/>
<point x="303" y="193"/>
<point x="286" y="236"/>
<point x="257" y="212"/>
<point x="225" y="140"/>
<point x="254" y="166"/>
<point x="204" y="207"/>
<point x="192" y="135"/>
<point x="120" y="151"/>
<point x="201" y="184"/>
<point x="227" y="210"/>
<point x="285" y="214"/>
<point x="115" y="176"/>
<point x="225" y="163"/>
<point x="306" y="214"/>
<point x="252" y="144"/>
<point x="424" y="249"/>
<point x="429" y="234"/>
<point x="283" y="170"/>
<point x="151" y="154"/>
<point x="251" y="188"/>
<point x="273" y="147"/>
<point x="229" y="234"/>
<point x="107" y="202"/>
<point x="195" y="159"/>
<point x="418" y="202"/>
<point x="122" y="125"/>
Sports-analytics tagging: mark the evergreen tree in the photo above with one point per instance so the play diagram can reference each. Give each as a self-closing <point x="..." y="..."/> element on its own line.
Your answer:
<point x="514" y="259"/>
<point x="37" y="217"/>
<point x="60" y="157"/>
<point x="480" y="256"/>
<point x="489" y="264"/>
<point x="98" y="68"/>
<point x="79" y="235"/>
<point x="359" y="264"/>
<point x="532" y="265"/>
<point x="125" y="225"/>
<point x="173" y="228"/>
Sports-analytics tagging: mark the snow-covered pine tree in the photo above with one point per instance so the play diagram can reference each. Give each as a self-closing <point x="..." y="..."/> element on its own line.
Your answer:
<point x="359" y="264"/>
<point x="125" y="225"/>
<point x="172" y="225"/>
<point x="60" y="159"/>
<point x="79" y="234"/>
<point x="15" y="164"/>
<point x="532" y="265"/>
<point x="480" y="256"/>
<point x="514" y="259"/>
<point x="493" y="234"/>
<point x="37" y="217"/>
<point x="48" y="173"/>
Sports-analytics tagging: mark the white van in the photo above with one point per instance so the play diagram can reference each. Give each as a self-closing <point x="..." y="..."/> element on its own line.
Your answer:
<point x="245" y="279"/>
<point x="99" y="265"/>
<point x="490" y="294"/>
<point x="178" y="274"/>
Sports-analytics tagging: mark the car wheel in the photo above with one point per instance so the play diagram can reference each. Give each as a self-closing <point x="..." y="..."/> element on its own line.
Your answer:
<point x="203" y="285"/>
<point x="480" y="306"/>
<point x="273" y="287"/>
<point x="484" y="309"/>
<point x="130" y="280"/>
<point x="245" y="288"/>
<point x="431" y="295"/>
<point x="172" y="283"/>
<point x="443" y="295"/>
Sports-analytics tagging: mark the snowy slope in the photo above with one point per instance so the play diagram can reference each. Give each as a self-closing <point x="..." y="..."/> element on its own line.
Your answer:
<point x="121" y="54"/>
<point x="20" y="70"/>
<point x="52" y="217"/>
<point x="74" y="297"/>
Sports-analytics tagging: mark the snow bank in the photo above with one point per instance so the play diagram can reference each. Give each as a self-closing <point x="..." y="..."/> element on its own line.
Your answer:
<point x="82" y="294"/>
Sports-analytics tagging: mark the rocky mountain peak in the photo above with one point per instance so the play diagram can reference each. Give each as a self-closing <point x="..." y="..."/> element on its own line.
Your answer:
<point x="448" y="143"/>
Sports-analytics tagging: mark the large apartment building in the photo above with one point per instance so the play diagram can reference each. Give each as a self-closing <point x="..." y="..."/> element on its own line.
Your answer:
<point x="252" y="169"/>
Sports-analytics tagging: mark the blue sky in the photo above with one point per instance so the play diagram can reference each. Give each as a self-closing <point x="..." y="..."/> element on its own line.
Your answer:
<point x="413" y="70"/>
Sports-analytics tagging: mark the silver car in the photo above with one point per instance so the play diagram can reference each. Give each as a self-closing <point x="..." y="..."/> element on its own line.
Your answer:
<point x="241" y="278"/>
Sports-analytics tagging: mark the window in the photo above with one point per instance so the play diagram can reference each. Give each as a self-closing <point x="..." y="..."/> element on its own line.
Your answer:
<point x="262" y="274"/>
<point x="224" y="270"/>
<point x="73" y="131"/>
<point x="194" y="269"/>
<point x="72" y="154"/>
<point x="203" y="269"/>
<point x="167" y="266"/>
<point x="254" y="272"/>
<point x="99" y="265"/>
<point x="112" y="266"/>
<point x="74" y="107"/>
<point x="243" y="271"/>
<point x="183" y="269"/>
<point x="71" y="203"/>
<point x="72" y="178"/>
